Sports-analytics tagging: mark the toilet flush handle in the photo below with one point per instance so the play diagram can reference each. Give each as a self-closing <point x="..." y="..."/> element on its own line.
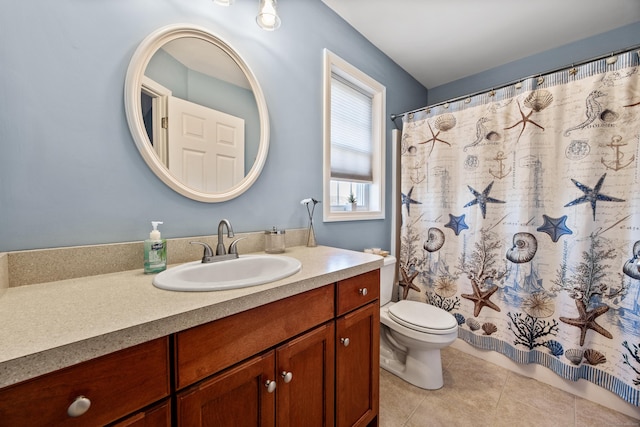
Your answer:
<point x="363" y="291"/>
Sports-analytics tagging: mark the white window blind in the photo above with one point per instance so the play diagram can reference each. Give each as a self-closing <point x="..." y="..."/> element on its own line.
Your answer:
<point x="351" y="132"/>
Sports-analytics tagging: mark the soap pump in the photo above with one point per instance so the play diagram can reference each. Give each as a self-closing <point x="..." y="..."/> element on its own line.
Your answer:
<point x="155" y="251"/>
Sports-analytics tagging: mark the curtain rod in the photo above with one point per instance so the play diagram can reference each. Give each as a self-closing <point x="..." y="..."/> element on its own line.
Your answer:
<point x="554" y="70"/>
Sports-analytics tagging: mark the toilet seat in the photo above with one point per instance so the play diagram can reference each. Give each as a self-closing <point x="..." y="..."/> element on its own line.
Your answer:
<point x="422" y="317"/>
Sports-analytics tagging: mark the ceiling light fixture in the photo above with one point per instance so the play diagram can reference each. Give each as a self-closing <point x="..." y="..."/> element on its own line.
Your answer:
<point x="268" y="18"/>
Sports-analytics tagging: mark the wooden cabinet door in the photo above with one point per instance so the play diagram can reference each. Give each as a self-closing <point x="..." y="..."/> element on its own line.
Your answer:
<point x="305" y="372"/>
<point x="357" y="366"/>
<point x="238" y="397"/>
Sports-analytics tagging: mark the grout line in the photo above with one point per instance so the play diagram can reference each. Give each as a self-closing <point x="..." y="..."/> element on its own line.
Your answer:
<point x="504" y="386"/>
<point x="413" y="412"/>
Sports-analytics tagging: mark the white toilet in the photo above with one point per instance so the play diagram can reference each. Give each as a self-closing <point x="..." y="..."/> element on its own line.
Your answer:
<point x="412" y="334"/>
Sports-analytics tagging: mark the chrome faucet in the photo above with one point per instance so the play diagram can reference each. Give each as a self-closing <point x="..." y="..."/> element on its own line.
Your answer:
<point x="221" y="253"/>
<point x="220" y="248"/>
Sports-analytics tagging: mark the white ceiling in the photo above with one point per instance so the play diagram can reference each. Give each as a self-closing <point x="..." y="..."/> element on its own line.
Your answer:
<point x="206" y="58"/>
<point x="440" y="41"/>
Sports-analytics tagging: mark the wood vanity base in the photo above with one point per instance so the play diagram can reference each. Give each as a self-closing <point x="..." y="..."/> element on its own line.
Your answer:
<point x="310" y="359"/>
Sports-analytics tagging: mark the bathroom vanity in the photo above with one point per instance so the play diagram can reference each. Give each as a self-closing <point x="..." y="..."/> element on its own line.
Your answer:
<point x="300" y="351"/>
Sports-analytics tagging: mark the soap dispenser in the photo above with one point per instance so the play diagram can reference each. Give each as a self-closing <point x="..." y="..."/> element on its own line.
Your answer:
<point x="155" y="251"/>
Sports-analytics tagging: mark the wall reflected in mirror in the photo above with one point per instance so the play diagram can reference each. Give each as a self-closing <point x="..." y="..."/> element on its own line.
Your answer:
<point x="200" y="114"/>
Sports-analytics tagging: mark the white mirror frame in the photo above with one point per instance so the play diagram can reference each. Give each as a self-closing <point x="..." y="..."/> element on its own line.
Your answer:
<point x="132" y="100"/>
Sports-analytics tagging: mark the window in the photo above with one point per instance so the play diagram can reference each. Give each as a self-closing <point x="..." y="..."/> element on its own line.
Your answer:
<point x="354" y="135"/>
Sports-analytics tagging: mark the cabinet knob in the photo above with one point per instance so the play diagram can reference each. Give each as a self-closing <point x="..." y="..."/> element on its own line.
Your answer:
<point x="345" y="341"/>
<point x="287" y="376"/>
<point x="270" y="385"/>
<point x="363" y="291"/>
<point x="78" y="406"/>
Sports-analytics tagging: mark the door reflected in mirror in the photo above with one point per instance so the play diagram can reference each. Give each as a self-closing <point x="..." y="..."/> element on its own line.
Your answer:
<point x="200" y="119"/>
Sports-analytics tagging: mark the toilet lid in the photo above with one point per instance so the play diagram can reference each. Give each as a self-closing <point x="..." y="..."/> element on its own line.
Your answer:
<point x="422" y="317"/>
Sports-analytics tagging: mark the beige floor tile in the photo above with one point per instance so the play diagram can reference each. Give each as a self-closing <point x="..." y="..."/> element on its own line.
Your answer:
<point x="513" y="412"/>
<point x="589" y="414"/>
<point x="398" y="400"/>
<point x="480" y="393"/>
<point x="436" y="411"/>
<point x="520" y="390"/>
<point x="448" y="355"/>
<point x="474" y="380"/>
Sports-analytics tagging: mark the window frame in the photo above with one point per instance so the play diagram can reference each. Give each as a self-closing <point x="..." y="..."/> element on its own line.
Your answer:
<point x="333" y="64"/>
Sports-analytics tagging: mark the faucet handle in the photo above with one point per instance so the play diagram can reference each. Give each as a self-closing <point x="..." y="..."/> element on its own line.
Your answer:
<point x="208" y="252"/>
<point x="233" y="247"/>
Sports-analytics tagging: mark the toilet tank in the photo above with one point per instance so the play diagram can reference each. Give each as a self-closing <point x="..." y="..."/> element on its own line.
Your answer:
<point x="387" y="277"/>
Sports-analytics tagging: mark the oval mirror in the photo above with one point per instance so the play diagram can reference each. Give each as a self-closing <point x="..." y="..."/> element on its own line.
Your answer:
<point x="196" y="113"/>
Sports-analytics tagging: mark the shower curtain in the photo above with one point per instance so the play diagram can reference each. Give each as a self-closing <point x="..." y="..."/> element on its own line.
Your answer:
<point x="521" y="217"/>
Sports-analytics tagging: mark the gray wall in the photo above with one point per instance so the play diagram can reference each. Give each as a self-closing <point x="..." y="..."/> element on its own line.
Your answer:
<point x="70" y="173"/>
<point x="582" y="50"/>
<point x="69" y="170"/>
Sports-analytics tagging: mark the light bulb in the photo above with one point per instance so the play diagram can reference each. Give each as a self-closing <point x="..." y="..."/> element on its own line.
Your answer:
<point x="267" y="17"/>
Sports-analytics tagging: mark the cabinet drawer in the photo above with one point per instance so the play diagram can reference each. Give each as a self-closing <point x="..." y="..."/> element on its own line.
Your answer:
<point x="156" y="416"/>
<point x="207" y="349"/>
<point x="116" y="385"/>
<point x="357" y="291"/>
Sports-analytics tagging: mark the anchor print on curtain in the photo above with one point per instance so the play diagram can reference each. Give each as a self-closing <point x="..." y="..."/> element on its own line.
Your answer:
<point x="521" y="217"/>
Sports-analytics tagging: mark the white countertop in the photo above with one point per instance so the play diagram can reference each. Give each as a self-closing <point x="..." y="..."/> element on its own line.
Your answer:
<point x="53" y="325"/>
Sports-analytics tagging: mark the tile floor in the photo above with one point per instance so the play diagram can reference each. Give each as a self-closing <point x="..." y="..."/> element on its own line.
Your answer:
<point x="480" y="393"/>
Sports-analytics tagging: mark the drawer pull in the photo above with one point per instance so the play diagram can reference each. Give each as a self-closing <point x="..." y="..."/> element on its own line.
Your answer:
<point x="363" y="291"/>
<point x="270" y="385"/>
<point x="79" y="406"/>
<point x="345" y="341"/>
<point x="287" y="376"/>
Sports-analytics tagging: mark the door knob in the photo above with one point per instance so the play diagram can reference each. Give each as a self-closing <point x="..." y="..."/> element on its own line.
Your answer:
<point x="287" y="376"/>
<point x="345" y="341"/>
<point x="270" y="385"/>
<point x="78" y="406"/>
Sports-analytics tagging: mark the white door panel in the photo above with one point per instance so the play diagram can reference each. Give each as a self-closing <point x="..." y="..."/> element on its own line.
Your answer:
<point x="206" y="147"/>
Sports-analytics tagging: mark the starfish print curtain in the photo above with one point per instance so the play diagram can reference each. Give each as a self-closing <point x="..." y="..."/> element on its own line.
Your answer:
<point x="521" y="217"/>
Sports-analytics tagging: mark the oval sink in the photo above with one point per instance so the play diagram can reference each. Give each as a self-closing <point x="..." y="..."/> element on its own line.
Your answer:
<point x="247" y="270"/>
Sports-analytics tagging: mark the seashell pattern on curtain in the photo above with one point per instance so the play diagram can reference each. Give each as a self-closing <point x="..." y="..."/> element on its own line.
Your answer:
<point x="521" y="216"/>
